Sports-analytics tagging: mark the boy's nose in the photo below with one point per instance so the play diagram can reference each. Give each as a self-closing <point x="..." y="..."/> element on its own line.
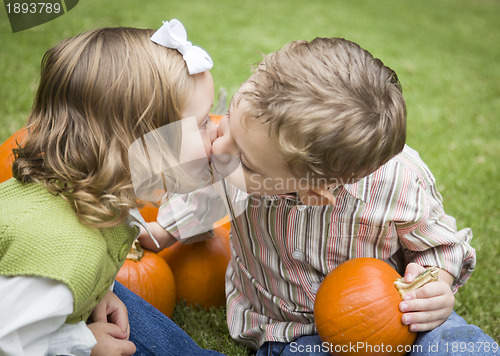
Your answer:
<point x="222" y="127"/>
<point x="212" y="132"/>
<point x="224" y="143"/>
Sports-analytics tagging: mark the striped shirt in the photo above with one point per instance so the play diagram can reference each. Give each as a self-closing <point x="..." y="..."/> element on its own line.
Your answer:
<point x="282" y="249"/>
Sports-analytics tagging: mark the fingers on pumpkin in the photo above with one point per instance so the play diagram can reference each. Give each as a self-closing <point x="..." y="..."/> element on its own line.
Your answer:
<point x="345" y="316"/>
<point x="423" y="278"/>
<point x="412" y="270"/>
<point x="424" y="321"/>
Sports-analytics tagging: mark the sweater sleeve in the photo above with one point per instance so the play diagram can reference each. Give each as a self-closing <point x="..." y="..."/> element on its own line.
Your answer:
<point x="33" y="313"/>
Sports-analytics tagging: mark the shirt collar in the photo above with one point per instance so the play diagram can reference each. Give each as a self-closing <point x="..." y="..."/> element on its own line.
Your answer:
<point x="359" y="190"/>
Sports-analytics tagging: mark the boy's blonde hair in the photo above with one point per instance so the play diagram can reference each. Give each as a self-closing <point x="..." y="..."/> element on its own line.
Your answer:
<point x="334" y="110"/>
<point x="99" y="91"/>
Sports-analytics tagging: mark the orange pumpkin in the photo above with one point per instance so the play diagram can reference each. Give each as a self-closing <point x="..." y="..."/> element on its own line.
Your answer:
<point x="6" y="156"/>
<point x="216" y="118"/>
<point x="147" y="275"/>
<point x="149" y="212"/>
<point x="358" y="304"/>
<point x="199" y="269"/>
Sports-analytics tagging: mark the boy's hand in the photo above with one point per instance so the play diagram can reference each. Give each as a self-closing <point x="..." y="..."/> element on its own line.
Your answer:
<point x="111" y="340"/>
<point x="111" y="309"/>
<point x="164" y="238"/>
<point x="430" y="305"/>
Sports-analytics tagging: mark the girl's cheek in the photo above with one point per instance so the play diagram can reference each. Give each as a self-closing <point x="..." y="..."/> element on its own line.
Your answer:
<point x="212" y="132"/>
<point x="208" y="147"/>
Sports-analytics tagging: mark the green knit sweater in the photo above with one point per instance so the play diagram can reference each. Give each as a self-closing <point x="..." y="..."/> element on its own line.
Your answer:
<point x="40" y="235"/>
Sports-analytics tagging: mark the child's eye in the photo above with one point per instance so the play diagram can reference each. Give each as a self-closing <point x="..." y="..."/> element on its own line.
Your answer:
<point x="205" y="122"/>
<point x="246" y="168"/>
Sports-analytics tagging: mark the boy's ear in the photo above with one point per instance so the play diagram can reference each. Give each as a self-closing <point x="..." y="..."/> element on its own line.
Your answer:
<point x="316" y="196"/>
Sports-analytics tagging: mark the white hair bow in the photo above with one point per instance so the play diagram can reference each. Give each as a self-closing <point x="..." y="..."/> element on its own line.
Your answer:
<point x="173" y="35"/>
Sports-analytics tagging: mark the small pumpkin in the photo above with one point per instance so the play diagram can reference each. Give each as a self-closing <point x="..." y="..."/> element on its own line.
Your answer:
<point x="6" y="156"/>
<point x="149" y="212"/>
<point x="147" y="275"/>
<point x="358" y="304"/>
<point x="199" y="269"/>
<point x="216" y="118"/>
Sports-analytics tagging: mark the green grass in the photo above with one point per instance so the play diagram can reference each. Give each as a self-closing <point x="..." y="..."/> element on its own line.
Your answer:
<point x="208" y="329"/>
<point x="445" y="52"/>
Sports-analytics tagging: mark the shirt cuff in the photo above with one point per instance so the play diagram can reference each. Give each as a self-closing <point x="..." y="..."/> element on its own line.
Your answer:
<point x="458" y="259"/>
<point x="72" y="339"/>
<point x="177" y="216"/>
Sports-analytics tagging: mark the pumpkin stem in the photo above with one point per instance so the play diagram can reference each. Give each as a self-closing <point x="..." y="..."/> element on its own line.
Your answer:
<point x="425" y="277"/>
<point x="136" y="252"/>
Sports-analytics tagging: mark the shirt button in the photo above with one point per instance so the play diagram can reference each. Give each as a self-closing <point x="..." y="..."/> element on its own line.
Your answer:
<point x="315" y="288"/>
<point x="297" y="254"/>
<point x="123" y="252"/>
<point x="301" y="207"/>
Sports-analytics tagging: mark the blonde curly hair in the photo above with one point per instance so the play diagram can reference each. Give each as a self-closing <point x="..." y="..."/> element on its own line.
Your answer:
<point x="99" y="91"/>
<point x="334" y="110"/>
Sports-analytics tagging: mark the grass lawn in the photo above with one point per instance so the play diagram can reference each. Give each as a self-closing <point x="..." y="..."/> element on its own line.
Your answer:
<point x="446" y="54"/>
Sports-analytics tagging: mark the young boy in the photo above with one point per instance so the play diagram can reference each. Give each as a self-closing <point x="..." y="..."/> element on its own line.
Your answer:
<point x="319" y="130"/>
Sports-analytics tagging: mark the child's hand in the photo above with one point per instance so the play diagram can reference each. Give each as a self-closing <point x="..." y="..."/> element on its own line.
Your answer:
<point x="111" y="309"/>
<point x="430" y="305"/>
<point x="164" y="238"/>
<point x="111" y="340"/>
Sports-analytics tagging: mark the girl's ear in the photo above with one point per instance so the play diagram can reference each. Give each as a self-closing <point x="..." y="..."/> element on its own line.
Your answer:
<point x="316" y="196"/>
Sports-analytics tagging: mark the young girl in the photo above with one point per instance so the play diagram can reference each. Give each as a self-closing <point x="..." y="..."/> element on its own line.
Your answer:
<point x="65" y="217"/>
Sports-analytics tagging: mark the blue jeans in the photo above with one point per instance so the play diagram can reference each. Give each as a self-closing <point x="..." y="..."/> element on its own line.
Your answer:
<point x="453" y="337"/>
<point x="152" y="332"/>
